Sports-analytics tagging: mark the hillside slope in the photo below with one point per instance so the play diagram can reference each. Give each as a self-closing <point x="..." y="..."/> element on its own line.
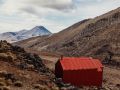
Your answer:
<point x="20" y="70"/>
<point x="98" y="37"/>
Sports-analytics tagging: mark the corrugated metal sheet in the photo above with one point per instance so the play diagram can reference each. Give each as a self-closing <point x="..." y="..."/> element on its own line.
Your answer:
<point x="80" y="63"/>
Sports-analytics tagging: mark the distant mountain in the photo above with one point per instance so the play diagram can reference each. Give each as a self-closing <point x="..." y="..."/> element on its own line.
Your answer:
<point x="24" y="34"/>
<point x="37" y="31"/>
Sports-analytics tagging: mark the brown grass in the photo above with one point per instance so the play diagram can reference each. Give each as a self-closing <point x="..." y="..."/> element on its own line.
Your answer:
<point x="18" y="84"/>
<point x="41" y="87"/>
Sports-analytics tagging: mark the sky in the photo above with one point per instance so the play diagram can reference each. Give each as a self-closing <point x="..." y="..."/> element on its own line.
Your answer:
<point x="55" y="15"/>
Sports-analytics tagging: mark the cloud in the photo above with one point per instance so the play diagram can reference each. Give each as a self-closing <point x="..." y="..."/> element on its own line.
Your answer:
<point x="53" y="14"/>
<point x="54" y="4"/>
<point x="16" y="6"/>
<point x="43" y="7"/>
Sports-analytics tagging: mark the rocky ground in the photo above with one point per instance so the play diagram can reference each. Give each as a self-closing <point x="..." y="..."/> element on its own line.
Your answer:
<point x="20" y="70"/>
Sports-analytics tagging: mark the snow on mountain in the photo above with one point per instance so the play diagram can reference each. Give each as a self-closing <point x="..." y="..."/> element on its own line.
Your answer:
<point x="9" y="36"/>
<point x="37" y="31"/>
<point x="24" y="34"/>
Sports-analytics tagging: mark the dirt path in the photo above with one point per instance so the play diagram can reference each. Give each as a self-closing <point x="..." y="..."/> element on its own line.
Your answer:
<point x="50" y="61"/>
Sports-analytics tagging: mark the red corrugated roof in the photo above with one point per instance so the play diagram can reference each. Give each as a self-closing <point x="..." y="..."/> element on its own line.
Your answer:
<point x="80" y="63"/>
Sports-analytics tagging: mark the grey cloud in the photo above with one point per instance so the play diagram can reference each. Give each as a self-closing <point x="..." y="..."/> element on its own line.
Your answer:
<point x="41" y="7"/>
<point x="29" y="10"/>
<point x="53" y="4"/>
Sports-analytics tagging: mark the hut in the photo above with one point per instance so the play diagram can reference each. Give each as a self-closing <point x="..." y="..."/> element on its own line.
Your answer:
<point x="83" y="71"/>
